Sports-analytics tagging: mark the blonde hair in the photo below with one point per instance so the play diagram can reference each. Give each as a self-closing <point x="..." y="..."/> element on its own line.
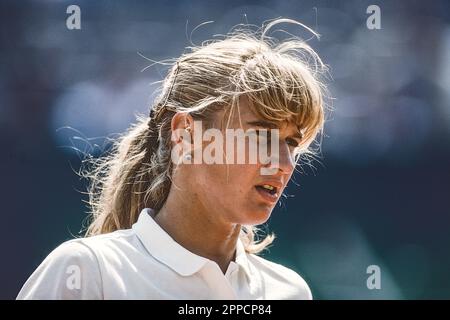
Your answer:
<point x="280" y="78"/>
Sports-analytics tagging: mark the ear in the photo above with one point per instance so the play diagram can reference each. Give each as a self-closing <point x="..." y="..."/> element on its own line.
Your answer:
<point x="182" y="125"/>
<point x="182" y="120"/>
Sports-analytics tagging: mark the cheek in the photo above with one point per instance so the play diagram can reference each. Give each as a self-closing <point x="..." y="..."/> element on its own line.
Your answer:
<point x="232" y="195"/>
<point x="240" y="184"/>
<point x="231" y="183"/>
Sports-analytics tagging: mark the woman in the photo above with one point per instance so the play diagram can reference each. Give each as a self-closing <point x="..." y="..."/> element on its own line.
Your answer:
<point x="174" y="225"/>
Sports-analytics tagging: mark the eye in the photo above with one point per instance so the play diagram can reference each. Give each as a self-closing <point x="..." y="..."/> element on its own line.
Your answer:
<point x="292" y="142"/>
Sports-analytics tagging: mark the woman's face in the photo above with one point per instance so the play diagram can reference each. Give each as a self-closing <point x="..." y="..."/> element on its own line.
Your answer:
<point x="240" y="193"/>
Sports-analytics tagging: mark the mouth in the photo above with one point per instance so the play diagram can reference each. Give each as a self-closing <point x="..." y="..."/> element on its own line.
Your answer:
<point x="268" y="192"/>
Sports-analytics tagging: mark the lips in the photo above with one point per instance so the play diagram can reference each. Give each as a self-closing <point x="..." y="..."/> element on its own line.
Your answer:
<point x="269" y="190"/>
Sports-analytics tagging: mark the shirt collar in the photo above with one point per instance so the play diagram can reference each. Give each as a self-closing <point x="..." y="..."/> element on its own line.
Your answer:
<point x="242" y="259"/>
<point x="161" y="246"/>
<point x="166" y="250"/>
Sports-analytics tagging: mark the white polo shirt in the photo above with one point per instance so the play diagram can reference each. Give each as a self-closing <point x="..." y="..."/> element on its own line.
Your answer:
<point x="144" y="262"/>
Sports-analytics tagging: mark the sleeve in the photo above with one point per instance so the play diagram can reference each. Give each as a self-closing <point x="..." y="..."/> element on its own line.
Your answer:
<point x="305" y="292"/>
<point x="71" y="271"/>
<point x="295" y="286"/>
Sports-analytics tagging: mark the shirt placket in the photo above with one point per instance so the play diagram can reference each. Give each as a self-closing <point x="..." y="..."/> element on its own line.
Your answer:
<point x="221" y="287"/>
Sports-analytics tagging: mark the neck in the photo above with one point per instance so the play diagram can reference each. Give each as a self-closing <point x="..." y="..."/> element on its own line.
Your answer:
<point x="199" y="230"/>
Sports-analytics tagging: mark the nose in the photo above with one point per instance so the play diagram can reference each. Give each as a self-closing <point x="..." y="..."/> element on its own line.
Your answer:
<point x="286" y="161"/>
<point x="280" y="160"/>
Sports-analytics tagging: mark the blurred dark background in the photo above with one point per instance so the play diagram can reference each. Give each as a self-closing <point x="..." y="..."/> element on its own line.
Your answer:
<point x="379" y="197"/>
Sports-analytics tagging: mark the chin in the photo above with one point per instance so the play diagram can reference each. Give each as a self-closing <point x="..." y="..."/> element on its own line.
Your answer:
<point x="258" y="216"/>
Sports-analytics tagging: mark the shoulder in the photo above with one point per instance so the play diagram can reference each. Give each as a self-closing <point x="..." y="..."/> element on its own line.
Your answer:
<point x="76" y="268"/>
<point x="70" y="271"/>
<point x="109" y="241"/>
<point x="70" y="253"/>
<point x="281" y="280"/>
<point x="74" y="250"/>
<point x="87" y="252"/>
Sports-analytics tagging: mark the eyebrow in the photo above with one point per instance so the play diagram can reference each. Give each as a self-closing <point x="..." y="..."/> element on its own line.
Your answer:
<point x="271" y="125"/>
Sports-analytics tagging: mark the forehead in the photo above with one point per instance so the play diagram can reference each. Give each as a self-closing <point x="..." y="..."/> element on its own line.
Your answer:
<point x="244" y="113"/>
